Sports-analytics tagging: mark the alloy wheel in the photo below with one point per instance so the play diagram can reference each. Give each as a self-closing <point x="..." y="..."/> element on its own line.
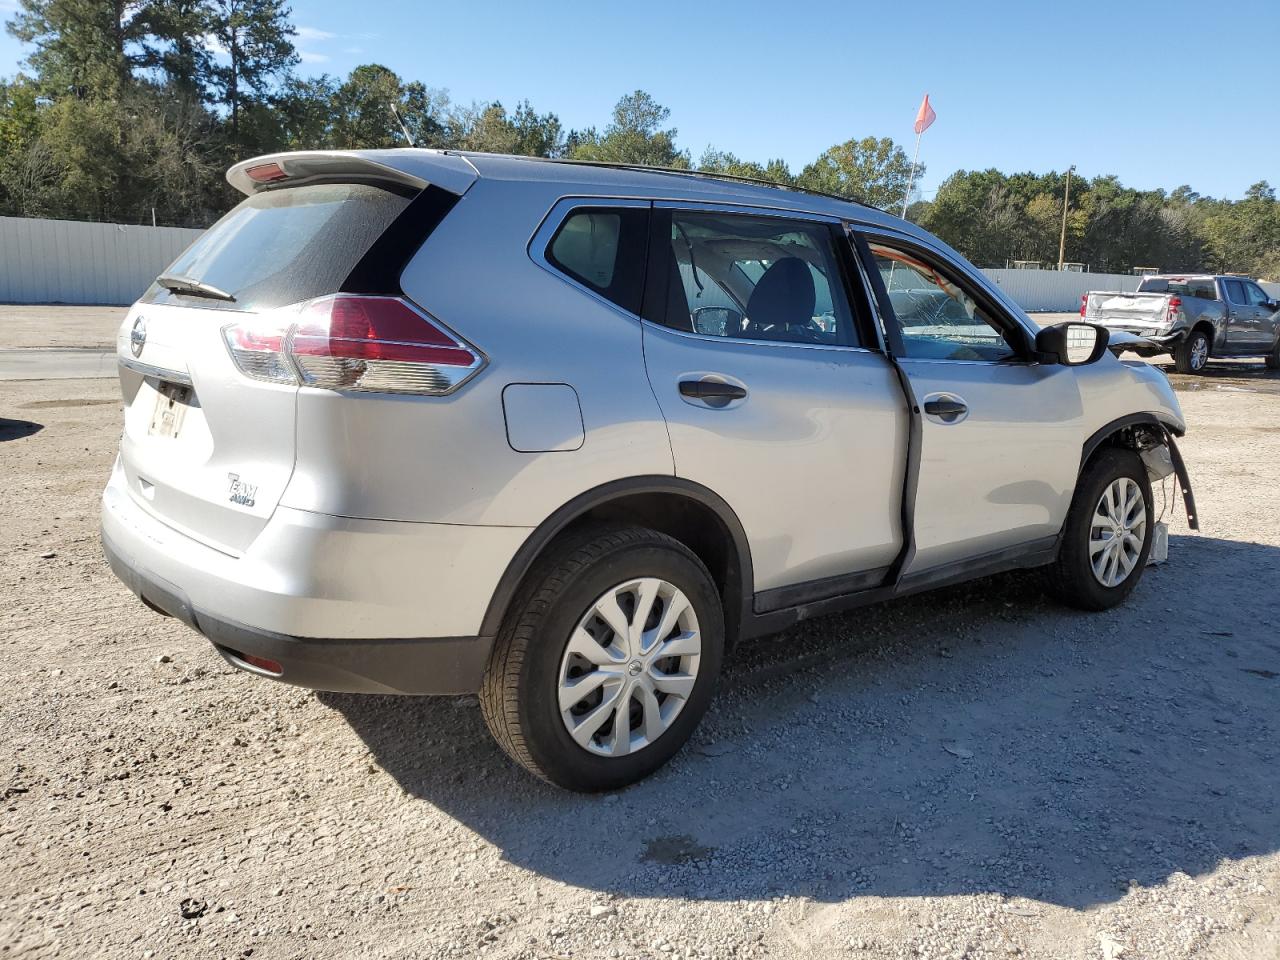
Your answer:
<point x="1199" y="353"/>
<point x="630" y="667"/>
<point x="1118" y="531"/>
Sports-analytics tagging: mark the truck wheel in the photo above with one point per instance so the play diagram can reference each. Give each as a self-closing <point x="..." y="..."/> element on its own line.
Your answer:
<point x="1191" y="355"/>
<point x="608" y="660"/>
<point x="1273" y="358"/>
<point x="1107" y="536"/>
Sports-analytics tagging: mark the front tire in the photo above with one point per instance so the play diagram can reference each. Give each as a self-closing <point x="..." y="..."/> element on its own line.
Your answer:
<point x="1273" y="358"/>
<point x="1192" y="354"/>
<point x="1107" y="536"/>
<point x="608" y="660"/>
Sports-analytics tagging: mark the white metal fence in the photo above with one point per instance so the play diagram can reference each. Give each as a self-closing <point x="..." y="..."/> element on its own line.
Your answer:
<point x="1054" y="290"/>
<point x="66" y="261"/>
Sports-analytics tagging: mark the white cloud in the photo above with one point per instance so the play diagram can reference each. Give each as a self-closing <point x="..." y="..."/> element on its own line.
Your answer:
<point x="309" y="56"/>
<point x="304" y="33"/>
<point x="353" y="50"/>
<point x="211" y="43"/>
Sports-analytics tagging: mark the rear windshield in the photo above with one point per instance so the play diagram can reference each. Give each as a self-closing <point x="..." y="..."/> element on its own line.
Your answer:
<point x="282" y="246"/>
<point x="1202" y="288"/>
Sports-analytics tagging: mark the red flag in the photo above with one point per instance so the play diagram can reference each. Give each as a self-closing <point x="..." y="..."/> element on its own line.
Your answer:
<point x="926" y="116"/>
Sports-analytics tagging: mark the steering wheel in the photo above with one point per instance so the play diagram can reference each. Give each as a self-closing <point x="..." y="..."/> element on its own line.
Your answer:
<point x="809" y="331"/>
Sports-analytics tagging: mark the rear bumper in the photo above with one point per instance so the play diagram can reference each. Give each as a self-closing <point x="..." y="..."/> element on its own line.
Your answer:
<point x="432" y="665"/>
<point x="363" y="606"/>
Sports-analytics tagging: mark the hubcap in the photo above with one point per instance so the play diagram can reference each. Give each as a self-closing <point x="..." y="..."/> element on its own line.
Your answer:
<point x="629" y="667"/>
<point x="1118" y="532"/>
<point x="1199" y="353"/>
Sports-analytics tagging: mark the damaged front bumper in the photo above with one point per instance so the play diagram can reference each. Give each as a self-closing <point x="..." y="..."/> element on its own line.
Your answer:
<point x="1162" y="460"/>
<point x="1120" y="340"/>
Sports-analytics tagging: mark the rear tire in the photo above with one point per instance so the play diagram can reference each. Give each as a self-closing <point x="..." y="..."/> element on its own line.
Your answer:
<point x="1083" y="576"/>
<point x="639" y="578"/>
<point x="1273" y="358"/>
<point x="1192" y="354"/>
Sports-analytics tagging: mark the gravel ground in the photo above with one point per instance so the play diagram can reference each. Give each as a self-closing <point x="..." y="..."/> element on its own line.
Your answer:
<point x="34" y="325"/>
<point x="972" y="773"/>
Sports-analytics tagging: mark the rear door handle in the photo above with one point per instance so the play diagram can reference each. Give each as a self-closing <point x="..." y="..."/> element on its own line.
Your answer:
<point x="711" y="390"/>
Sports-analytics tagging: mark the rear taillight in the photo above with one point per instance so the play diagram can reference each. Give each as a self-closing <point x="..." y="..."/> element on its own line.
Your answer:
<point x="1084" y="303"/>
<point x="257" y="348"/>
<point x="349" y="342"/>
<point x="1174" y="304"/>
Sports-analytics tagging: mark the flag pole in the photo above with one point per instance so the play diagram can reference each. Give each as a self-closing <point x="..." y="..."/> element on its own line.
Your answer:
<point x="912" y="178"/>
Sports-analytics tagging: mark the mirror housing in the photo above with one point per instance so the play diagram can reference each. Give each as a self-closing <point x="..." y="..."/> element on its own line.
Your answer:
<point x="1072" y="344"/>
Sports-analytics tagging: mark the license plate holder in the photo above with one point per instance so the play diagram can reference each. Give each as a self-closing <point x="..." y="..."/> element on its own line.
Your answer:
<point x="172" y="401"/>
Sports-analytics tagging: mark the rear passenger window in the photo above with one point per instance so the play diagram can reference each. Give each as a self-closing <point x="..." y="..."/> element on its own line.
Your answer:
<point x="604" y="250"/>
<point x="1235" y="291"/>
<point x="748" y="278"/>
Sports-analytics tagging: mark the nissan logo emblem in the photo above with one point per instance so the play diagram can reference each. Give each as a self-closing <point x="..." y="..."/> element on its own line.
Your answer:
<point x="138" y="336"/>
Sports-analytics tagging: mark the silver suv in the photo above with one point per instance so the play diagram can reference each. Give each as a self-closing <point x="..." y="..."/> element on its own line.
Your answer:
<point x="436" y="423"/>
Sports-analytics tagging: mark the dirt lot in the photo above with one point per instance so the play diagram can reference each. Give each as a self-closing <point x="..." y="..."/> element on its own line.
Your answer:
<point x="975" y="773"/>
<point x="41" y="326"/>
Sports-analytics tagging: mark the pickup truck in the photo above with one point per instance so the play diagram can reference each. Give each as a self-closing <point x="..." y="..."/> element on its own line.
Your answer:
<point x="1192" y="317"/>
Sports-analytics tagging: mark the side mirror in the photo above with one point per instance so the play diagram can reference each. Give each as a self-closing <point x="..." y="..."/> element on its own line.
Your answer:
<point x="717" y="321"/>
<point x="1072" y="344"/>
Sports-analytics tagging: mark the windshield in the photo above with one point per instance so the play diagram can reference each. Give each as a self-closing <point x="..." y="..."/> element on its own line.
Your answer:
<point x="285" y="245"/>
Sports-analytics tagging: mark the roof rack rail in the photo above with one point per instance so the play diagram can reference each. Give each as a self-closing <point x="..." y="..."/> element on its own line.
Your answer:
<point x="679" y="171"/>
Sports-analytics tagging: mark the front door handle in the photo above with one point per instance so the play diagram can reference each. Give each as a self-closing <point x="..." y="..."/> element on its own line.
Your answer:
<point x="942" y="408"/>
<point x="947" y="409"/>
<point x="711" y="390"/>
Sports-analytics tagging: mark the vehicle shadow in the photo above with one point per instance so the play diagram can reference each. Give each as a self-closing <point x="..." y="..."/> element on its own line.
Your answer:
<point x="979" y="739"/>
<point x="17" y="429"/>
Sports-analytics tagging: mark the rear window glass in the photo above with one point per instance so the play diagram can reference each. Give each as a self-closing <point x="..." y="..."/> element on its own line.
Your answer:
<point x="1202" y="289"/>
<point x="282" y="246"/>
<point x="604" y="250"/>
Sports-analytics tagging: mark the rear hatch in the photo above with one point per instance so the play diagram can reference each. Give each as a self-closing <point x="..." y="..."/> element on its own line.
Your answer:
<point x="206" y="449"/>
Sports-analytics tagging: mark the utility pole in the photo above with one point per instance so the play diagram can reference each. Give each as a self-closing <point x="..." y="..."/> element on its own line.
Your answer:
<point x="1066" y="199"/>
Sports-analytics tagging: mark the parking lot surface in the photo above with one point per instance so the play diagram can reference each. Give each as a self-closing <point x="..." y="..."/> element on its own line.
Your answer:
<point x="971" y="773"/>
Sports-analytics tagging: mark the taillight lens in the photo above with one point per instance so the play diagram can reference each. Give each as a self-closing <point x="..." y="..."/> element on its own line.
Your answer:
<point x="349" y="342"/>
<point x="1174" y="304"/>
<point x="1084" y="303"/>
<point x="257" y="347"/>
<point x="377" y="343"/>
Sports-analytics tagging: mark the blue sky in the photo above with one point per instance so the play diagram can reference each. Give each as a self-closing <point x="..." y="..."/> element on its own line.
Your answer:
<point x="1159" y="93"/>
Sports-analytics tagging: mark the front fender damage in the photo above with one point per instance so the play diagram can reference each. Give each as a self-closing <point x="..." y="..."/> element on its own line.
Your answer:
<point x="1154" y="441"/>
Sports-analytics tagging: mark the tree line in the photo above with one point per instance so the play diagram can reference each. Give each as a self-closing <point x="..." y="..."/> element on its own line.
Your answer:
<point x="133" y="109"/>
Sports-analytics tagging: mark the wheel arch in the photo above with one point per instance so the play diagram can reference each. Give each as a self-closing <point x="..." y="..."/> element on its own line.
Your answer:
<point x="1210" y="330"/>
<point x="687" y="511"/>
<point x="1121" y="431"/>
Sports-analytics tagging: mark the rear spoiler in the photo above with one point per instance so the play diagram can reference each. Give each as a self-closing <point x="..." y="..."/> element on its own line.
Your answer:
<point x="407" y="167"/>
